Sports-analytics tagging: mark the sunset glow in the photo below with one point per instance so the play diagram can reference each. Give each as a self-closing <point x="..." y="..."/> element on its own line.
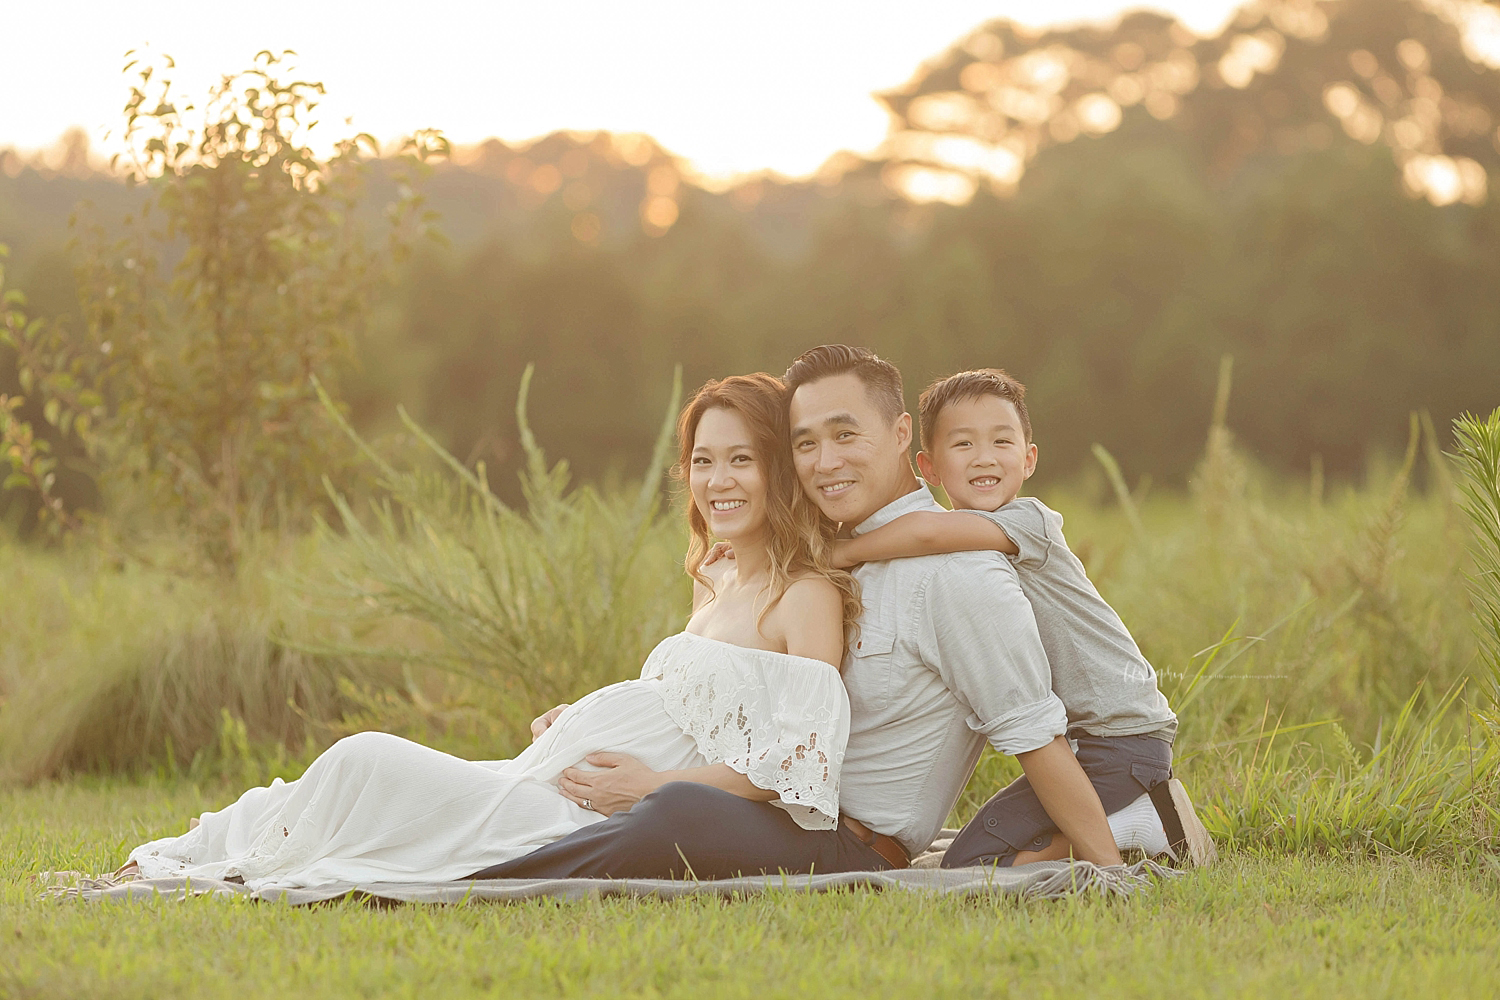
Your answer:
<point x="733" y="88"/>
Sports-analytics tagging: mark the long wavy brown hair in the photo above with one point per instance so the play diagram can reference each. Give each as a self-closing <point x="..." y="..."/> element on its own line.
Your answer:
<point x="800" y="539"/>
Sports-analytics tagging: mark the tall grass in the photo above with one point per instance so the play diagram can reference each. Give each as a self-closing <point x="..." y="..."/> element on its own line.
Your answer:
<point x="1254" y="598"/>
<point x="534" y="606"/>
<point x="433" y="610"/>
<point x="1479" y="458"/>
<point x="109" y="666"/>
<point x="1317" y="643"/>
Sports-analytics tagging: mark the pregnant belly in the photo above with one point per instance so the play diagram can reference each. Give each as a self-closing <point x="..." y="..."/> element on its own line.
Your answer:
<point x="627" y="718"/>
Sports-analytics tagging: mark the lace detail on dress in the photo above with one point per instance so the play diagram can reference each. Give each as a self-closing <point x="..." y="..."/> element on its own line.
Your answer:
<point x="780" y="720"/>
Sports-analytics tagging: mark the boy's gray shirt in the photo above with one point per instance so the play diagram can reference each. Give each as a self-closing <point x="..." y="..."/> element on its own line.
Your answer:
<point x="1098" y="671"/>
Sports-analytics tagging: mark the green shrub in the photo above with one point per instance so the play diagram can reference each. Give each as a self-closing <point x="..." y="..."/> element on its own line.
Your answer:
<point x="245" y="272"/>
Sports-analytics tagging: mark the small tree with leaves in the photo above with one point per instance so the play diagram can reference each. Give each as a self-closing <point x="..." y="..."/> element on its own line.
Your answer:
<point x="248" y="269"/>
<point x="32" y="464"/>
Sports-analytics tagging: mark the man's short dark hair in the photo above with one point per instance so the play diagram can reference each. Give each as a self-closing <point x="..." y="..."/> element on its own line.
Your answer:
<point x="881" y="379"/>
<point x="970" y="385"/>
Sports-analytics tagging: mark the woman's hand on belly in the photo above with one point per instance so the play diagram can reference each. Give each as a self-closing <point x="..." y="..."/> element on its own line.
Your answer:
<point x="622" y="782"/>
<point x="542" y="723"/>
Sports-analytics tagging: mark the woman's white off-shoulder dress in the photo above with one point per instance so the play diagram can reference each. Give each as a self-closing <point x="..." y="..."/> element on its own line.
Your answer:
<point x="375" y="807"/>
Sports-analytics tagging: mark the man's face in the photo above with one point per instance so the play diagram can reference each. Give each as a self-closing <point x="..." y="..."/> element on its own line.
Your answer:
<point x="850" y="460"/>
<point x="979" y="453"/>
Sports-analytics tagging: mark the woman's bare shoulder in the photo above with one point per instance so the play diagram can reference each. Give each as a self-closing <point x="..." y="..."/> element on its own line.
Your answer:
<point x="812" y="585"/>
<point x="809" y="600"/>
<point x="810" y="619"/>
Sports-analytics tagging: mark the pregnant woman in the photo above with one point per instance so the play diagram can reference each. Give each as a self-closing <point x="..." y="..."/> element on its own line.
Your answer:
<point x="747" y="699"/>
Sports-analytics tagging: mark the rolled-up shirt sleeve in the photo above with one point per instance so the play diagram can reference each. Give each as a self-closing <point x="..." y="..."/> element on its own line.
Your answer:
<point x="979" y="633"/>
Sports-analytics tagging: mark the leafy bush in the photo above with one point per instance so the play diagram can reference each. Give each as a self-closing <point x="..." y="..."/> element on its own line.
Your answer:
<point x="33" y="466"/>
<point x="246" y="271"/>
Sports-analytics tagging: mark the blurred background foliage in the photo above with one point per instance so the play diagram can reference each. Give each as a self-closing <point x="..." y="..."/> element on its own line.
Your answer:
<point x="1306" y="191"/>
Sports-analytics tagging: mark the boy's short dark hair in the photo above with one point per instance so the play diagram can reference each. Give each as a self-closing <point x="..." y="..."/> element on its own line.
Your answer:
<point x="970" y="385"/>
<point x="881" y="378"/>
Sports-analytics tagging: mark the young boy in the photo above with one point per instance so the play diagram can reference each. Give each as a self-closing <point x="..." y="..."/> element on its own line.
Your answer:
<point x="976" y="444"/>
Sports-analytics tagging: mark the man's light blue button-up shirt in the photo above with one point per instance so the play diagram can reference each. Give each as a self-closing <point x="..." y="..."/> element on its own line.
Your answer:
<point x="946" y="658"/>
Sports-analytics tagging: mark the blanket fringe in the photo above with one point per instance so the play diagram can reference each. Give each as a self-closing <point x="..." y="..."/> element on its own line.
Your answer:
<point x="1113" y="880"/>
<point x="72" y="885"/>
<point x="1046" y="880"/>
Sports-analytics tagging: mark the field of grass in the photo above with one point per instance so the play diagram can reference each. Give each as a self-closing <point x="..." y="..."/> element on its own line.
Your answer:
<point x="1261" y="924"/>
<point x="1328" y="654"/>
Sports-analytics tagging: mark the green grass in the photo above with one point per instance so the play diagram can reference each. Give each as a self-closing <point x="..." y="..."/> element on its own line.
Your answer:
<point x="1257" y="925"/>
<point x="1339" y="732"/>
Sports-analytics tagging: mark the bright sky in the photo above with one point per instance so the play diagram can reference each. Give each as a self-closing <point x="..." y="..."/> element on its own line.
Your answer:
<point x="733" y="87"/>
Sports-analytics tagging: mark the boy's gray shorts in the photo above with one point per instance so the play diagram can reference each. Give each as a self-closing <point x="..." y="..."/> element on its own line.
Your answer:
<point x="1122" y="769"/>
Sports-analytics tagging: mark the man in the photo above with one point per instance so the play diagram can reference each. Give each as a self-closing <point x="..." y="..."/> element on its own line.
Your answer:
<point x="947" y="658"/>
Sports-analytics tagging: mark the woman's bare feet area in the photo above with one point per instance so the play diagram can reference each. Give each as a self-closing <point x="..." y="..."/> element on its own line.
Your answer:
<point x="132" y="869"/>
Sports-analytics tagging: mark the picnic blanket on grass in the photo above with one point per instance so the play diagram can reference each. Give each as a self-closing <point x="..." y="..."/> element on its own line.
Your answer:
<point x="1040" y="880"/>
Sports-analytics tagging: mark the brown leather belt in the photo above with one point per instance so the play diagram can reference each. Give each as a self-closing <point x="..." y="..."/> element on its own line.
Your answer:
<point x="887" y="847"/>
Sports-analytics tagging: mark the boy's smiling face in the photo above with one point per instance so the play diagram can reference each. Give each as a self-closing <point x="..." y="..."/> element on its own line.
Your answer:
<point x="980" y="454"/>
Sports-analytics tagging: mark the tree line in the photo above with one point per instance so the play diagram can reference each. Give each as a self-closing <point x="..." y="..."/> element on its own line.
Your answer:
<point x="1108" y="258"/>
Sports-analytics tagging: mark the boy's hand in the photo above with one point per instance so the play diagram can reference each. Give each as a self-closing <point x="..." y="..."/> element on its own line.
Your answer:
<point x="721" y="550"/>
<point x="841" y="558"/>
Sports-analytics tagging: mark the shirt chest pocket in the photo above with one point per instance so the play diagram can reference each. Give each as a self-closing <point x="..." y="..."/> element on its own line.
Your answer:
<point x="871" y="668"/>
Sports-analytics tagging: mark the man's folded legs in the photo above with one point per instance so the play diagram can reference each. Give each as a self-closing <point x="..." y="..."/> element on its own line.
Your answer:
<point x="688" y="830"/>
